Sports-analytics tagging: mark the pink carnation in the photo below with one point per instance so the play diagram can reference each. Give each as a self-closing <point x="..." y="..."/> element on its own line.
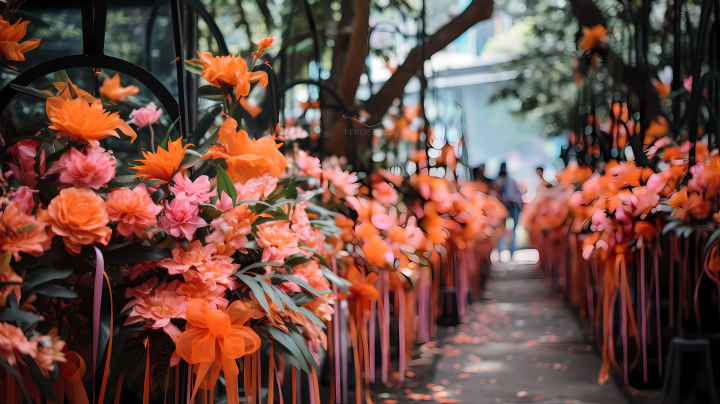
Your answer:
<point x="196" y="192"/>
<point x="134" y="211"/>
<point x="145" y="116"/>
<point x="181" y="218"/>
<point x="256" y="188"/>
<point x="195" y="257"/>
<point x="344" y="182"/>
<point x="91" y="168"/>
<point x="308" y="165"/>
<point x="158" y="305"/>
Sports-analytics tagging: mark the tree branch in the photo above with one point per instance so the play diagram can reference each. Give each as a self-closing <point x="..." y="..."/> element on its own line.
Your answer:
<point x="477" y="11"/>
<point x="354" y="64"/>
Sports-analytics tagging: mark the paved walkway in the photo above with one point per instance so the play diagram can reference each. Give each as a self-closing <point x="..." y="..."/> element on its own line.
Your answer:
<point x="523" y="346"/>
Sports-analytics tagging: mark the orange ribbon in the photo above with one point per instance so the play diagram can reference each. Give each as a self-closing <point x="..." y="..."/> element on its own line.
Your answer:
<point x="70" y="381"/>
<point x="109" y="349"/>
<point x="213" y="339"/>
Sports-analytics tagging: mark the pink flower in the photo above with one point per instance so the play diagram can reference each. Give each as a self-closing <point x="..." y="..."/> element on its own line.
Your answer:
<point x="181" y="218"/>
<point x="22" y="155"/>
<point x="277" y="240"/>
<point x="344" y="182"/>
<point x="256" y="188"/>
<point x="196" y="192"/>
<point x="384" y="193"/>
<point x="134" y="211"/>
<point x="293" y="133"/>
<point x="195" y="257"/>
<point x="13" y="340"/>
<point x="308" y="165"/>
<point x="91" y="168"/>
<point x="24" y="197"/>
<point x="140" y="267"/>
<point x="156" y="305"/>
<point x="145" y="116"/>
<point x="225" y="203"/>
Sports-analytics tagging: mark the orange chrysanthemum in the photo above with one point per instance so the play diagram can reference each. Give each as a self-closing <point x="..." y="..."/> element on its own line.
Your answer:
<point x="22" y="232"/>
<point x="111" y="89"/>
<point x="10" y="35"/>
<point x="231" y="230"/>
<point x="79" y="216"/>
<point x="163" y="164"/>
<point x="230" y="70"/>
<point x="247" y="158"/>
<point x="92" y="123"/>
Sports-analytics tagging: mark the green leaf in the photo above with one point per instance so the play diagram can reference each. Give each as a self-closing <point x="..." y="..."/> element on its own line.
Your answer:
<point x="297" y="259"/>
<point x="191" y="159"/>
<point x="55" y="291"/>
<point x="210" y="92"/>
<point x="285" y="340"/>
<point x="43" y="275"/>
<point x="225" y="184"/>
<point x="712" y="241"/>
<point x="61" y="76"/>
<point x="30" y="91"/>
<point x="29" y="262"/>
<point x="193" y="68"/>
<point x="253" y="201"/>
<point x="274" y="205"/>
<point x="134" y="253"/>
<point x="302" y="284"/>
<point x="336" y="279"/>
<point x="311" y="207"/>
<point x="312" y="317"/>
<point x="209" y="212"/>
<point x="300" y="342"/>
<point x="291" y="191"/>
<point x="273" y="293"/>
<point x="10" y="314"/>
<point x="671" y="226"/>
<point x="166" y="139"/>
<point x="302" y="298"/>
<point x="257" y="265"/>
<point x="257" y="291"/>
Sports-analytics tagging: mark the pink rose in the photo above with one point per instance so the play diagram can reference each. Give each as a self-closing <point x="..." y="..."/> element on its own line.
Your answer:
<point x="196" y="192"/>
<point x="90" y="168"/>
<point x="145" y="116"/>
<point x="24" y="197"/>
<point x="181" y="218"/>
<point x="22" y="155"/>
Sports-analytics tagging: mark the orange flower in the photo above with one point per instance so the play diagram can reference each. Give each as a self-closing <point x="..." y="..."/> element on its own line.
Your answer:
<point x="213" y="339"/>
<point x="79" y="216"/>
<point x="75" y="118"/>
<point x="230" y="70"/>
<point x="163" y="164"/>
<point x="22" y="232"/>
<point x="231" y="230"/>
<point x="263" y="44"/>
<point x="251" y="109"/>
<point x="10" y="34"/>
<point x="593" y="36"/>
<point x="65" y="93"/>
<point x="663" y="89"/>
<point x="134" y="211"/>
<point x="247" y="158"/>
<point x="378" y="253"/>
<point x="111" y="89"/>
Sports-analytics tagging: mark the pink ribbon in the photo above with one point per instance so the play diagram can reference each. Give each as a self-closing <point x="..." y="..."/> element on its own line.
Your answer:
<point x="657" y="308"/>
<point x="373" y="315"/>
<point x="401" y="332"/>
<point x="642" y="311"/>
<point x="97" y="303"/>
<point x="386" y="325"/>
<point x="623" y="332"/>
<point x="277" y="378"/>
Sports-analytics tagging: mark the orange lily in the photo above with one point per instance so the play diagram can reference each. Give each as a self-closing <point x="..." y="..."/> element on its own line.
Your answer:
<point x="213" y="339"/>
<point x="593" y="36"/>
<point x="92" y="123"/>
<point x="10" y="35"/>
<point x="163" y="164"/>
<point x="111" y="89"/>
<point x="230" y="70"/>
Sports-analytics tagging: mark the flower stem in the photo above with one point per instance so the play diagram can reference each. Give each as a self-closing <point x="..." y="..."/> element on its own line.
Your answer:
<point x="152" y="138"/>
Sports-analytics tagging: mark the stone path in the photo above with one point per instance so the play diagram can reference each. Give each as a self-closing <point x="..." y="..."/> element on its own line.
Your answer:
<point x="523" y="346"/>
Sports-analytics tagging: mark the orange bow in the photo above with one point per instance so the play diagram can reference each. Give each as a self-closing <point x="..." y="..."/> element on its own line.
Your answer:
<point x="213" y="339"/>
<point x="70" y="382"/>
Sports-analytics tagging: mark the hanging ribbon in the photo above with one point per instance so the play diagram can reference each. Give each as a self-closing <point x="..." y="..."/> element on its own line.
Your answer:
<point x="643" y="325"/>
<point x="279" y="385"/>
<point x="146" y="386"/>
<point x="271" y="368"/>
<point x="119" y="389"/>
<point x="97" y="303"/>
<point x="109" y="348"/>
<point x="401" y="332"/>
<point x="70" y="382"/>
<point x="657" y="307"/>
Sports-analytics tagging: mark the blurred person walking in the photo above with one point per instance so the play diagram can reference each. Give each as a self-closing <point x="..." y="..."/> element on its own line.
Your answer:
<point x="511" y="197"/>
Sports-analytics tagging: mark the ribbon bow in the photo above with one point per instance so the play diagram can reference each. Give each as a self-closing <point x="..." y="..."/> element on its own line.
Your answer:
<point x="70" y="382"/>
<point x="212" y="340"/>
